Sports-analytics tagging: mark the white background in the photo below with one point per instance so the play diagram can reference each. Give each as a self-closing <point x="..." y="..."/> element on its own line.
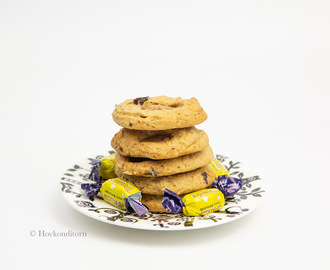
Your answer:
<point x="261" y="71"/>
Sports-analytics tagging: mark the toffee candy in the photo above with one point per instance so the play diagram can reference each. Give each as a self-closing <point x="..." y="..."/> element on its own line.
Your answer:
<point x="118" y="192"/>
<point x="123" y="195"/>
<point x="103" y="169"/>
<point x="107" y="170"/>
<point x="198" y="203"/>
<point x="204" y="201"/>
<point x="227" y="185"/>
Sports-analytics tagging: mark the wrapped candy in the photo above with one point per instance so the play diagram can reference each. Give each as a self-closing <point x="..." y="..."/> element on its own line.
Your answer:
<point x="119" y="193"/>
<point x="227" y="185"/>
<point x="198" y="203"/>
<point x="124" y="195"/>
<point x="103" y="169"/>
<point x="205" y="201"/>
<point x="107" y="169"/>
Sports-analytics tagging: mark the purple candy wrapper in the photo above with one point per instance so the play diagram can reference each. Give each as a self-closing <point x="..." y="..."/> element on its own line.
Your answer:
<point x="227" y="185"/>
<point x="133" y="204"/>
<point x="95" y="172"/>
<point x="172" y="202"/>
<point x="91" y="189"/>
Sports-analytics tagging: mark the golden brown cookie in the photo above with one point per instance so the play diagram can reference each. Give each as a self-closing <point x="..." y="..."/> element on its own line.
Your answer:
<point x="162" y="167"/>
<point x="159" y="113"/>
<point x="154" y="203"/>
<point x="181" y="183"/>
<point x="159" y="144"/>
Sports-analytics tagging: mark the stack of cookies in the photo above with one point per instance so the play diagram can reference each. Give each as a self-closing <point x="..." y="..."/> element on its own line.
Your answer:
<point x="159" y="147"/>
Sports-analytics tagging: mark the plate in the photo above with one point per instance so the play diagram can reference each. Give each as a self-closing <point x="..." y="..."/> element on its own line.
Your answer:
<point x="246" y="200"/>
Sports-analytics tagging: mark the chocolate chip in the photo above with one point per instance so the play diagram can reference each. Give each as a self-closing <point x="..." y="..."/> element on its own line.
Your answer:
<point x="154" y="172"/>
<point x="130" y="124"/>
<point x="121" y="149"/>
<point x="140" y="100"/>
<point x="204" y="174"/>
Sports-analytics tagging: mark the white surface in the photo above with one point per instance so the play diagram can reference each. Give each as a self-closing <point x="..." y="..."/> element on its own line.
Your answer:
<point x="259" y="68"/>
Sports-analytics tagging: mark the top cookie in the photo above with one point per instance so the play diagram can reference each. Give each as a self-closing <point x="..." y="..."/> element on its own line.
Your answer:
<point x="159" y="113"/>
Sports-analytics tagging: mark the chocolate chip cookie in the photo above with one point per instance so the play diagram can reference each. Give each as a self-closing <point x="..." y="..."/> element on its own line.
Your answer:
<point x="181" y="183"/>
<point x="159" y="113"/>
<point x="159" y="144"/>
<point x="150" y="168"/>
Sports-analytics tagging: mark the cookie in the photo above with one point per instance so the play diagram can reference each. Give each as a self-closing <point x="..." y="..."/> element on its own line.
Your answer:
<point x="162" y="144"/>
<point x="181" y="183"/>
<point x="154" y="203"/>
<point x="162" y="167"/>
<point x="159" y="113"/>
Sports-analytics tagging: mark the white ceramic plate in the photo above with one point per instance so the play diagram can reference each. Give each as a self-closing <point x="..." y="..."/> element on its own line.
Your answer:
<point x="242" y="204"/>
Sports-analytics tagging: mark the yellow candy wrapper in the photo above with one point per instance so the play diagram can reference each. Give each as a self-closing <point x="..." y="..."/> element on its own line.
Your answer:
<point x="118" y="192"/>
<point x="218" y="168"/>
<point x="203" y="202"/>
<point x="115" y="190"/>
<point x="107" y="170"/>
<point x="198" y="203"/>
